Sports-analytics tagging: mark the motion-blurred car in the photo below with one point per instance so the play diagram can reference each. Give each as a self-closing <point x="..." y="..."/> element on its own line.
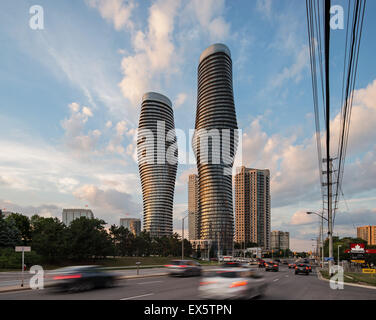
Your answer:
<point x="231" y="283"/>
<point x="271" y="266"/>
<point x="184" y="268"/>
<point x="80" y="278"/>
<point x="253" y="262"/>
<point x="232" y="264"/>
<point x="292" y="265"/>
<point x="302" y="268"/>
<point x="261" y="264"/>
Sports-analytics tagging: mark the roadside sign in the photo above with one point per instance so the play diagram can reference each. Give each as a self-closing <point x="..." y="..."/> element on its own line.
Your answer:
<point x="369" y="270"/>
<point x="329" y="259"/>
<point x="357" y="247"/>
<point x="24" y="249"/>
<point x="358" y="261"/>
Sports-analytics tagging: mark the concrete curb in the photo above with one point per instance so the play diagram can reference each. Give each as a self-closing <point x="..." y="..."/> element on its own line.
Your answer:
<point x="346" y="283"/>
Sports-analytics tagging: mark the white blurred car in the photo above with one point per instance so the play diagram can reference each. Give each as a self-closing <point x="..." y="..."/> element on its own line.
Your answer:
<point x="231" y="283"/>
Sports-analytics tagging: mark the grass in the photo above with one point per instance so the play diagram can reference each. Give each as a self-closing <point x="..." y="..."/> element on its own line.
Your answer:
<point x="122" y="262"/>
<point x="354" y="277"/>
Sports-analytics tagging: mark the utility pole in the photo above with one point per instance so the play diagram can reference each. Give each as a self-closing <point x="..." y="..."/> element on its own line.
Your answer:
<point x="182" y="239"/>
<point x="218" y="246"/>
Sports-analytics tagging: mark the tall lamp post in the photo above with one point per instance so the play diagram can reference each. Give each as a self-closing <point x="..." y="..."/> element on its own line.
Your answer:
<point x="321" y="233"/>
<point x="182" y="239"/>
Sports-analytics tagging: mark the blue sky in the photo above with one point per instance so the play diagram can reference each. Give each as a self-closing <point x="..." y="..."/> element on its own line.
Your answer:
<point x="71" y="98"/>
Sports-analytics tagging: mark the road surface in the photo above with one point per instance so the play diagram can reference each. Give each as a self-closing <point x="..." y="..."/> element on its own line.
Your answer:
<point x="282" y="285"/>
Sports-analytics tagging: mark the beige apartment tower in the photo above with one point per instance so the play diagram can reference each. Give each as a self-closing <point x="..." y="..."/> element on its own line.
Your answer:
<point x="367" y="233"/>
<point x="280" y="240"/>
<point x="193" y="206"/>
<point x="252" y="206"/>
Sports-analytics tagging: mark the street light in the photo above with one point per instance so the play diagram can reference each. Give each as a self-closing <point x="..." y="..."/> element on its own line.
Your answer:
<point x="321" y="234"/>
<point x="182" y="239"/>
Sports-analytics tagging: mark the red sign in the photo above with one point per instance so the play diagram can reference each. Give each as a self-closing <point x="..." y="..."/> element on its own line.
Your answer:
<point x="357" y="247"/>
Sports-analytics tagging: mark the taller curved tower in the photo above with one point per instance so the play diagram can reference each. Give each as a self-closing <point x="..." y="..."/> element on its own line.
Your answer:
<point x="215" y="110"/>
<point x="156" y="166"/>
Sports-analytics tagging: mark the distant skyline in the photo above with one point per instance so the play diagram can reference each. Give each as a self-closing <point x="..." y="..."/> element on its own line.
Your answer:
<point x="71" y="99"/>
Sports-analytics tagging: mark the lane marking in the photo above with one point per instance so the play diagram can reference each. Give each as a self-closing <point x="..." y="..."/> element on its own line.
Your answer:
<point x="135" y="297"/>
<point x="148" y="282"/>
<point x="275" y="280"/>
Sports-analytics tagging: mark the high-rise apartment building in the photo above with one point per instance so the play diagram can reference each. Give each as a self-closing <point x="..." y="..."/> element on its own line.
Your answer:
<point x="252" y="206"/>
<point x="214" y="143"/>
<point x="192" y="206"/>
<point x="157" y="163"/>
<point x="280" y="240"/>
<point x="367" y="233"/>
<point x="132" y="224"/>
<point x="70" y="214"/>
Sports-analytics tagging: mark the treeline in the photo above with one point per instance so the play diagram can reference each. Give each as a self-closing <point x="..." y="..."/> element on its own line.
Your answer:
<point x="84" y="240"/>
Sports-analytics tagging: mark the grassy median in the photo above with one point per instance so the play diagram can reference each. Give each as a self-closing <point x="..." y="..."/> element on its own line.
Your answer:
<point x="354" y="277"/>
<point x="120" y="262"/>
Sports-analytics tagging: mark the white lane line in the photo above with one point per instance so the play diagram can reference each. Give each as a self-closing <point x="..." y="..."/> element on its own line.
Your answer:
<point x="148" y="282"/>
<point x="135" y="297"/>
<point x="275" y="280"/>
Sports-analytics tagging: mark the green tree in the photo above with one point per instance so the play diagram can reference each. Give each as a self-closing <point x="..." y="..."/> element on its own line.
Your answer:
<point x="10" y="236"/>
<point x="123" y="240"/>
<point x="23" y="225"/>
<point x="88" y="239"/>
<point x="48" y="238"/>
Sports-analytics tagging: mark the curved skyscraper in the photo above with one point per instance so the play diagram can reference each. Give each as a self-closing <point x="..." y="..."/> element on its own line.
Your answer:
<point x="215" y="115"/>
<point x="157" y="166"/>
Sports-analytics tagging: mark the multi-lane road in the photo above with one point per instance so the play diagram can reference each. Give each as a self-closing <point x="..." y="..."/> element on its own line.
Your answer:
<point x="282" y="285"/>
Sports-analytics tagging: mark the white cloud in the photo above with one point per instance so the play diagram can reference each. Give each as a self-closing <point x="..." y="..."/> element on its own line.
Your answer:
<point x="265" y="6"/>
<point x="74" y="137"/>
<point x="209" y="14"/>
<point x="107" y="199"/>
<point x="116" y="11"/>
<point x="154" y="55"/>
<point x="293" y="72"/>
<point x="180" y="100"/>
<point x="301" y="217"/>
<point x="294" y="168"/>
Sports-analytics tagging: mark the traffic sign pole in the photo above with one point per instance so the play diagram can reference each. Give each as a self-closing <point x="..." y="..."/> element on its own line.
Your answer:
<point x="23" y="260"/>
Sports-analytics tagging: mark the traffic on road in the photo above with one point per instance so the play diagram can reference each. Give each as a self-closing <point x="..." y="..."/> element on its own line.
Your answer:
<point x="230" y="280"/>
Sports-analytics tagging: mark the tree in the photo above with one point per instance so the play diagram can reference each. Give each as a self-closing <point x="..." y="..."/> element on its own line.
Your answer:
<point x="123" y="240"/>
<point x="23" y="225"/>
<point x="10" y="236"/>
<point x="88" y="239"/>
<point x="48" y="238"/>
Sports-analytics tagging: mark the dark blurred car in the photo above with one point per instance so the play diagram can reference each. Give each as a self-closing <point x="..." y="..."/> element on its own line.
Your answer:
<point x="184" y="268"/>
<point x="271" y="266"/>
<point x="231" y="283"/>
<point x="80" y="278"/>
<point x="302" y="268"/>
<point x="291" y="265"/>
<point x="285" y="262"/>
<point x="261" y="264"/>
<point x="232" y="264"/>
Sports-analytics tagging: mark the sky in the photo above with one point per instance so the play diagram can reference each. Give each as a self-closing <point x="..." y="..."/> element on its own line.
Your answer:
<point x="71" y="96"/>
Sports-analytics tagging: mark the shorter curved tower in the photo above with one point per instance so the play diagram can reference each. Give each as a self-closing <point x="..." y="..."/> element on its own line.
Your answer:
<point x="157" y="173"/>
